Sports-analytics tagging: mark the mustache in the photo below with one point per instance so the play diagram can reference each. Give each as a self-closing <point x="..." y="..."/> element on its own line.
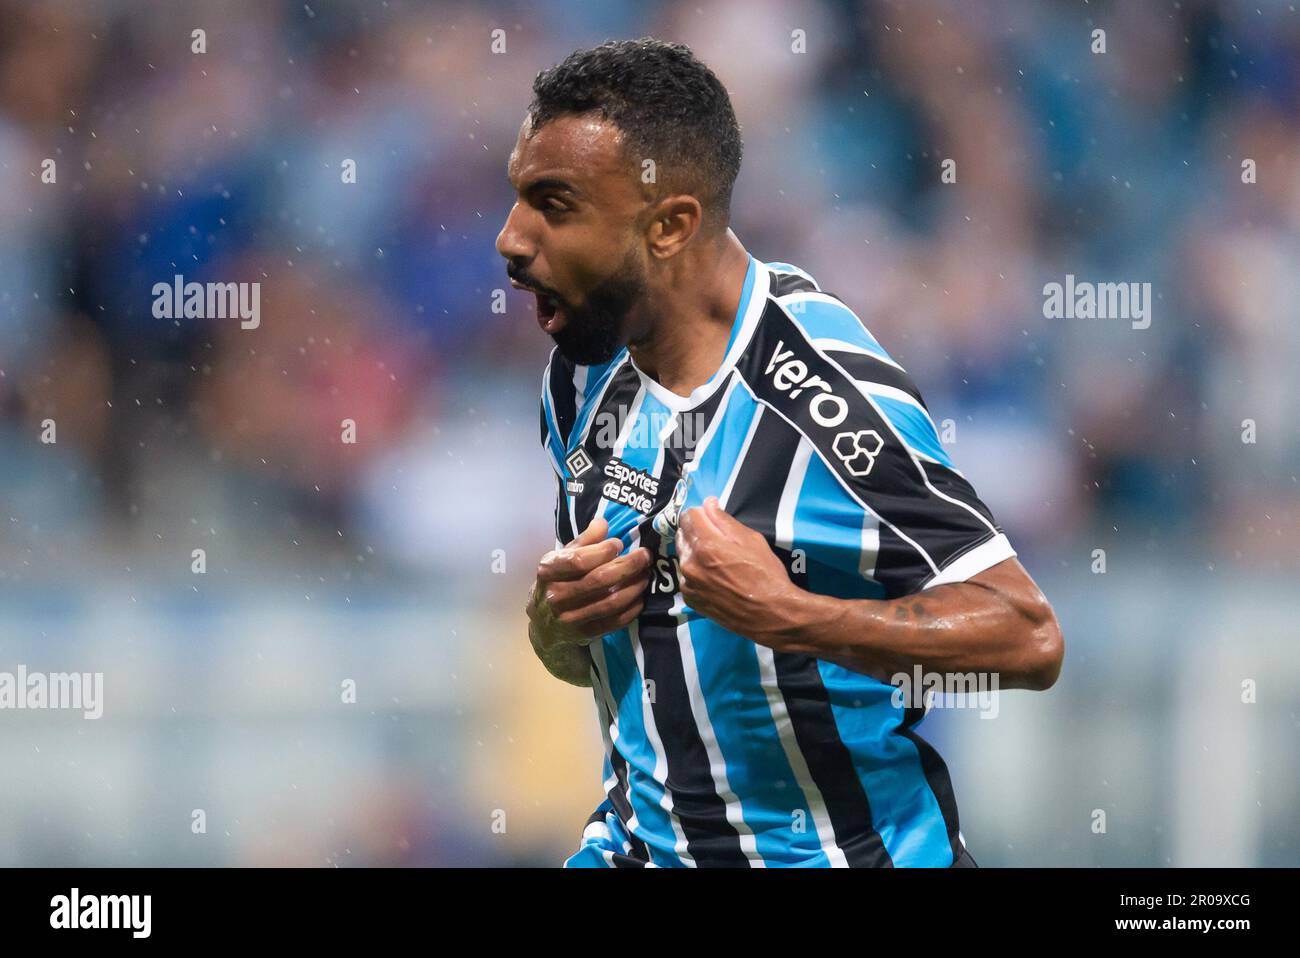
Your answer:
<point x="523" y="279"/>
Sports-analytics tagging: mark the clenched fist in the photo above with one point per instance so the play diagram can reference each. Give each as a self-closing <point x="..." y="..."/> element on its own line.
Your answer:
<point x="730" y="574"/>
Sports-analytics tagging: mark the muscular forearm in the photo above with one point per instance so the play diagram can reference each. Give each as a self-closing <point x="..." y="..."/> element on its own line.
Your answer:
<point x="996" y="622"/>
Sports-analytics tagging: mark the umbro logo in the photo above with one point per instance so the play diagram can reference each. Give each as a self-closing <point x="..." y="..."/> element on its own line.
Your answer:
<point x="578" y="463"/>
<point x="858" y="450"/>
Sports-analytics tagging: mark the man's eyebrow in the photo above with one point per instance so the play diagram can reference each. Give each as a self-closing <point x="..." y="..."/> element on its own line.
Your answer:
<point x="552" y="183"/>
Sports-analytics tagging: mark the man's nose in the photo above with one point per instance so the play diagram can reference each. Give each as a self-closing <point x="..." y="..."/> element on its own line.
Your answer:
<point x="511" y="241"/>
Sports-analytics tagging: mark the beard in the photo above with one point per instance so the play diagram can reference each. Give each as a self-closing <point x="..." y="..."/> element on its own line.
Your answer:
<point x="595" y="331"/>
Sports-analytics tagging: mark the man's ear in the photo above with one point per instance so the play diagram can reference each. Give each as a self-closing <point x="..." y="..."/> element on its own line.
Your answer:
<point x="675" y="220"/>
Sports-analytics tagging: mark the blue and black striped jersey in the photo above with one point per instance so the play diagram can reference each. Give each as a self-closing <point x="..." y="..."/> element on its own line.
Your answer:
<point x="720" y="751"/>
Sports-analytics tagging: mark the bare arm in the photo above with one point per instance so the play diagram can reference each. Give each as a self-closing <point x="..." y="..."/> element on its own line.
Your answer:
<point x="996" y="621"/>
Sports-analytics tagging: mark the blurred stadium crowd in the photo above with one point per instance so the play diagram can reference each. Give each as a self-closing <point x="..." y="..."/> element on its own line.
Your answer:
<point x="377" y="306"/>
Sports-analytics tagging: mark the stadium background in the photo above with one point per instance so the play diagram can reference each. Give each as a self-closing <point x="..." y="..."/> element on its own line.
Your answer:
<point x="375" y="562"/>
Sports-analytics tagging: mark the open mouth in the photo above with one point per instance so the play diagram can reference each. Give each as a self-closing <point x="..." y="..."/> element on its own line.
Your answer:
<point x="550" y="314"/>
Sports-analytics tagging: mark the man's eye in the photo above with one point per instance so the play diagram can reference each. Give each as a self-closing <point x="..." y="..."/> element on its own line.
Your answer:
<point x="554" y="206"/>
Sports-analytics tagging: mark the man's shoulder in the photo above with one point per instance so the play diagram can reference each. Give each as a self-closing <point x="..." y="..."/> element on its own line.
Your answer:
<point x="814" y="361"/>
<point x="786" y="279"/>
<point x="827" y="322"/>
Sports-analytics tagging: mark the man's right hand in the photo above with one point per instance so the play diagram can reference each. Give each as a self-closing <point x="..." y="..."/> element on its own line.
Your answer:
<point x="586" y="589"/>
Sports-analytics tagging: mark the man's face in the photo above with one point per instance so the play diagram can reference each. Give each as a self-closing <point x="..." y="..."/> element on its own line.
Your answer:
<point x="572" y="237"/>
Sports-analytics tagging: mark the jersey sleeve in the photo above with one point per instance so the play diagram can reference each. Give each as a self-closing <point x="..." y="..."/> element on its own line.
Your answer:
<point x="822" y="371"/>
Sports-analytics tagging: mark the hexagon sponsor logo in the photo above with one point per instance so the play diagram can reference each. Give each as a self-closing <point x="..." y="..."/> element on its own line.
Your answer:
<point x="858" y="450"/>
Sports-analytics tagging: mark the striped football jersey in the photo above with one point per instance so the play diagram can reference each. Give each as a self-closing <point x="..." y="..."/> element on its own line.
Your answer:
<point x="720" y="751"/>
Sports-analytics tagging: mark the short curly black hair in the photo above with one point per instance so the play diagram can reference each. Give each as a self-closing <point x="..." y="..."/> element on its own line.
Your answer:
<point x="670" y="107"/>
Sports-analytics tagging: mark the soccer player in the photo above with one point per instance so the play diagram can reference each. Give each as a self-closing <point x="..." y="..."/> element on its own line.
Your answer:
<point x="756" y="524"/>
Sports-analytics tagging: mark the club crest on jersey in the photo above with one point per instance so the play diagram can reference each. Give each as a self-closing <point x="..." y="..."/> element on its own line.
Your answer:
<point x="665" y="523"/>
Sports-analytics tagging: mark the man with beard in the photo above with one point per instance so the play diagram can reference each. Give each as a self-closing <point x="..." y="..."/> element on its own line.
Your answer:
<point x="739" y="602"/>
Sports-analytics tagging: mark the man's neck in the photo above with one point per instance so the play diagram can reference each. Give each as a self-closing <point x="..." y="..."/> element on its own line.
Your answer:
<point x="695" y="318"/>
